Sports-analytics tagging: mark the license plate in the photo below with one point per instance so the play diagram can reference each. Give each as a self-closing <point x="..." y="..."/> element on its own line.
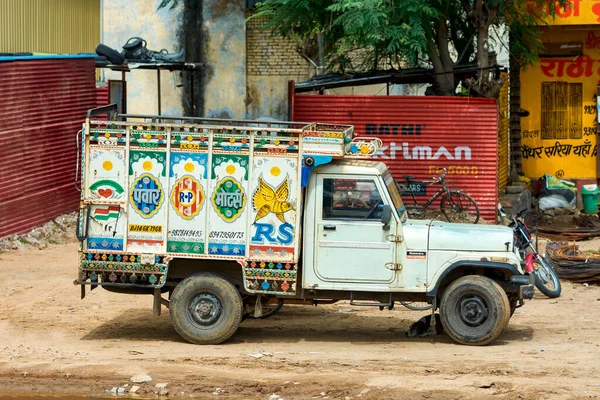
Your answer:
<point x="148" y="259"/>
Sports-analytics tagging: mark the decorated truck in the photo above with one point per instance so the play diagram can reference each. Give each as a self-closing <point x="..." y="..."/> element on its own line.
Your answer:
<point x="220" y="220"/>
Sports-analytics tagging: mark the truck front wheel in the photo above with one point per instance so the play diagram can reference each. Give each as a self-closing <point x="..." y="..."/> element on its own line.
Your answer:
<point x="474" y="310"/>
<point x="205" y="309"/>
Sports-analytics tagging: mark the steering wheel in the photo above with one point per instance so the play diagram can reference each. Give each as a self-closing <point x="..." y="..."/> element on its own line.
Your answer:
<point x="350" y="202"/>
<point x="373" y="210"/>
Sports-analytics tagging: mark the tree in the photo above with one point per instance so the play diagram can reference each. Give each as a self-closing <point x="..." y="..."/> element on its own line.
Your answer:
<point x="396" y="33"/>
<point x="523" y="19"/>
<point x="367" y="35"/>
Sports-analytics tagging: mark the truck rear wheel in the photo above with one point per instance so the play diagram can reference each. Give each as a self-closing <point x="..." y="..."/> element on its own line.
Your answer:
<point x="205" y="309"/>
<point x="474" y="310"/>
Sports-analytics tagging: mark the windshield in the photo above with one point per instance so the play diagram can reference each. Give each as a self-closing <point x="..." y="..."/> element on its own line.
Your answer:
<point x="395" y="195"/>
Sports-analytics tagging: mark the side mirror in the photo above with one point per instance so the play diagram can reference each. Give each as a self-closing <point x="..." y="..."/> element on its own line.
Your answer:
<point x="386" y="217"/>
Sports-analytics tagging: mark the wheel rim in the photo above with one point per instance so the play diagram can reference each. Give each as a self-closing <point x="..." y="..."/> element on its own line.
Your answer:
<point x="473" y="311"/>
<point x="205" y="309"/>
<point x="457" y="207"/>
<point x="543" y="274"/>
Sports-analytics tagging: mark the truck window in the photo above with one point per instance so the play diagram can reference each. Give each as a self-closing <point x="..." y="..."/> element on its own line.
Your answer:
<point x="351" y="199"/>
<point x="396" y="199"/>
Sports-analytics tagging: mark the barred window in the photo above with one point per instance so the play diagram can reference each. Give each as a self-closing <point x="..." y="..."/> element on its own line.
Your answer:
<point x="561" y="110"/>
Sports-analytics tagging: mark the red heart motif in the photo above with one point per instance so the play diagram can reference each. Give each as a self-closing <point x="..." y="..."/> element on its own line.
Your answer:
<point x="106" y="193"/>
<point x="596" y="10"/>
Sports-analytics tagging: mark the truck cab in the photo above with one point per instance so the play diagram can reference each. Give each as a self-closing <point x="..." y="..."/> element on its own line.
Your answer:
<point x="229" y="217"/>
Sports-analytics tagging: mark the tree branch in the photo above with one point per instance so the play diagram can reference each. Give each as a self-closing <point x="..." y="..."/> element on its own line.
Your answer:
<point x="468" y="9"/>
<point x="464" y="50"/>
<point x="434" y="57"/>
<point x="442" y="44"/>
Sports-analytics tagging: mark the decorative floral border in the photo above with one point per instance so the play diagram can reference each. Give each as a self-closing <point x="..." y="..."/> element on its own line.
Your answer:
<point x="270" y="277"/>
<point x="106" y="268"/>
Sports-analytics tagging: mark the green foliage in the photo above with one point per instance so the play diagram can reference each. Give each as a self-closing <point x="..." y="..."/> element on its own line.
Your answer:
<point x="524" y="19"/>
<point x="374" y="34"/>
<point x="296" y="18"/>
<point x="393" y="29"/>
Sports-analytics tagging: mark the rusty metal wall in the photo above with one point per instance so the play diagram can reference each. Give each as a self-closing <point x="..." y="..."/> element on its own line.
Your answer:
<point x="49" y="26"/>
<point x="422" y="133"/>
<point x="43" y="103"/>
<point x="101" y="96"/>
<point x="503" y="136"/>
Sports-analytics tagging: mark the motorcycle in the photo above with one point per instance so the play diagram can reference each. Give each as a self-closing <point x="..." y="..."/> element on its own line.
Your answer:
<point x="546" y="278"/>
<point x="135" y="50"/>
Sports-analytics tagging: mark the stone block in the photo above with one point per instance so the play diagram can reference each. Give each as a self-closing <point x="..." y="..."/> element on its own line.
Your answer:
<point x="514" y="189"/>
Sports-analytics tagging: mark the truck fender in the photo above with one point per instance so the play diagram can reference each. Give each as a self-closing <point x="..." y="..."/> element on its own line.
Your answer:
<point x="505" y="267"/>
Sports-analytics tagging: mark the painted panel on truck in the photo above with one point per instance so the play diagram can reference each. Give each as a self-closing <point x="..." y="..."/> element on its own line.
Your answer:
<point x="147" y="197"/>
<point x="274" y="206"/>
<point x="106" y="174"/>
<point x="227" y="213"/>
<point x="187" y="202"/>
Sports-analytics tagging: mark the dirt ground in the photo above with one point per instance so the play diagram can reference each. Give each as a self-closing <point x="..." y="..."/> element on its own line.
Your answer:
<point x="51" y="341"/>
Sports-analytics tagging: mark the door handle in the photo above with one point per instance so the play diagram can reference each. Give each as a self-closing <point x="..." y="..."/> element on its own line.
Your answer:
<point x="329" y="227"/>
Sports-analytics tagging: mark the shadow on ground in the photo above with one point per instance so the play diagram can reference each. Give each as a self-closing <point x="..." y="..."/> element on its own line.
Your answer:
<point x="291" y="325"/>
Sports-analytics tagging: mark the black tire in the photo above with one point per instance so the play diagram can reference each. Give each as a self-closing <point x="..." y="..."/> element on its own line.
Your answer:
<point x="205" y="309"/>
<point x="513" y="306"/>
<point x="459" y="207"/>
<point x="474" y="310"/>
<point x="546" y="278"/>
<point x="416" y="305"/>
<point x="111" y="54"/>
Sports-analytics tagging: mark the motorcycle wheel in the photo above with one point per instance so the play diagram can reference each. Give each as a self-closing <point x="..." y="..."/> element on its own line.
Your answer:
<point x="546" y="279"/>
<point x="111" y="54"/>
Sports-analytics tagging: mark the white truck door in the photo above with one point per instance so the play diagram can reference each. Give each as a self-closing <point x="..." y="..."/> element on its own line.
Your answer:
<point x="351" y="242"/>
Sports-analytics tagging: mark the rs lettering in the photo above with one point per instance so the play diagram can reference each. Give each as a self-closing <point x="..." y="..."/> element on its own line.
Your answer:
<point x="265" y="233"/>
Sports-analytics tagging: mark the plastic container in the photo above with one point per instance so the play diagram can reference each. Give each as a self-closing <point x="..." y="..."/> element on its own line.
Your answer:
<point x="589" y="197"/>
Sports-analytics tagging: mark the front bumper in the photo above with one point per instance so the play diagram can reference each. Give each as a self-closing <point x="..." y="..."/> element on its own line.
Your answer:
<point x="520" y="286"/>
<point x="525" y="283"/>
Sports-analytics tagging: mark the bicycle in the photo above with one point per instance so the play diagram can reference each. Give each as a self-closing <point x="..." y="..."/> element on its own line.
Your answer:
<point x="456" y="206"/>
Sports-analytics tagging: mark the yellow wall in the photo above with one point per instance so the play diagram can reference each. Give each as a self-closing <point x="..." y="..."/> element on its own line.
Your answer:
<point x="503" y="143"/>
<point x="539" y="155"/>
<point x="49" y="26"/>
<point x="580" y="12"/>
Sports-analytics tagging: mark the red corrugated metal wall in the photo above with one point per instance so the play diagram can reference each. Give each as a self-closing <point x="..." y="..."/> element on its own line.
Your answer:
<point x="43" y="103"/>
<point x="101" y="96"/>
<point x="422" y="133"/>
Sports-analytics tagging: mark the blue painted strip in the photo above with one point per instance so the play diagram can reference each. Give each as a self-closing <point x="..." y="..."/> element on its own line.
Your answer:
<point x="226" y="249"/>
<point x="306" y="170"/>
<point x="47" y="57"/>
<point x="105" y="244"/>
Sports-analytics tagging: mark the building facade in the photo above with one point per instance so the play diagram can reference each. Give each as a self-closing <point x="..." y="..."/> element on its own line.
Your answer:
<point x="559" y="137"/>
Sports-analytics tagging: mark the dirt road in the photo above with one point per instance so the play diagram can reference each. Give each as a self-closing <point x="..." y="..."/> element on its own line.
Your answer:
<point x="51" y="341"/>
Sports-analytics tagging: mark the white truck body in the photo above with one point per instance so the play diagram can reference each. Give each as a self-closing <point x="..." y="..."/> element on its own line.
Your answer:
<point x="293" y="211"/>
